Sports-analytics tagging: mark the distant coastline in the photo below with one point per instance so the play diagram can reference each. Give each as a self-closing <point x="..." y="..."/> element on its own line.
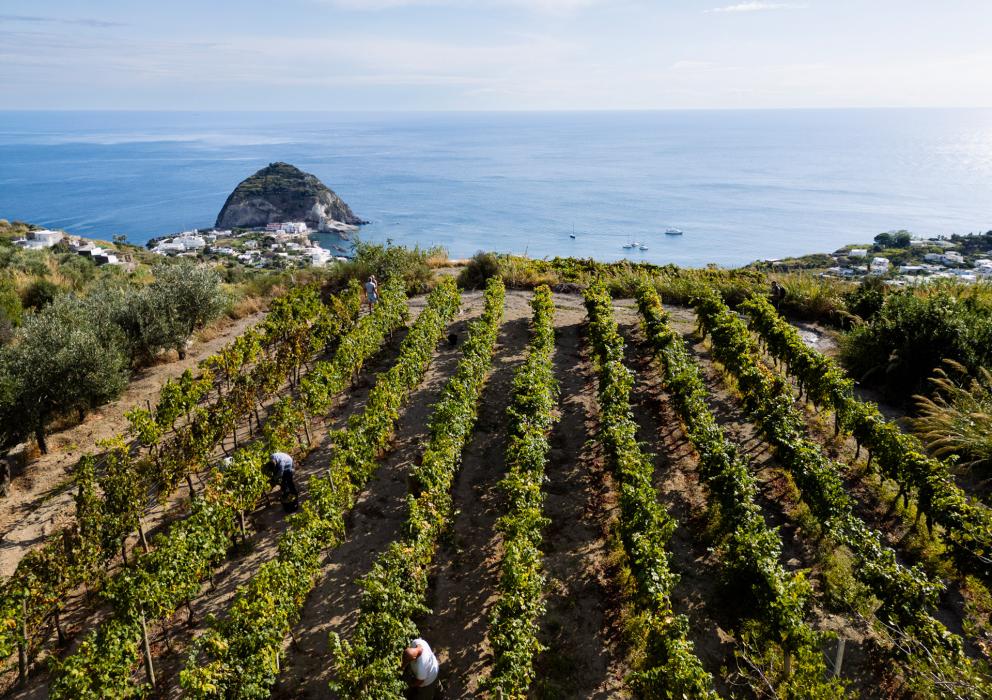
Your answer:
<point x="742" y="185"/>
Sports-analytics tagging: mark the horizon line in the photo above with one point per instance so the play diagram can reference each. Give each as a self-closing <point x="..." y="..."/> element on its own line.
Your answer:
<point x="647" y="110"/>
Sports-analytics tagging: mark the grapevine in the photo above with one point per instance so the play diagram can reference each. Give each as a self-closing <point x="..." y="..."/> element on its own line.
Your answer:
<point x="900" y="457"/>
<point x="171" y="574"/>
<point x="514" y="621"/>
<point x="905" y="595"/>
<point x="393" y="592"/>
<point x="671" y="668"/>
<point x="239" y="656"/>
<point x="752" y="549"/>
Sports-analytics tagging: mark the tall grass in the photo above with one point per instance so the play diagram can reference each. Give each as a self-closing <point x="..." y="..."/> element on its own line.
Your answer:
<point x="957" y="418"/>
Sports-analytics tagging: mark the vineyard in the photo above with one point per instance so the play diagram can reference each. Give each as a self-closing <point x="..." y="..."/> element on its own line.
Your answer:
<point x="568" y="494"/>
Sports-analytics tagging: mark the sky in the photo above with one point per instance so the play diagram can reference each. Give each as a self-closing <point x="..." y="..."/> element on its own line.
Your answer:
<point x="494" y="54"/>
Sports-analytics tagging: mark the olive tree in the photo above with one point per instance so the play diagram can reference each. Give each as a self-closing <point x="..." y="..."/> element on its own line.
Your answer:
<point x="164" y="314"/>
<point x="63" y="359"/>
<point x="185" y="296"/>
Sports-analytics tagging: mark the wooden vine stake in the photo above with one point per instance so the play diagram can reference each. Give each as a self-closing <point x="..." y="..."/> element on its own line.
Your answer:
<point x="147" y="650"/>
<point x="839" y="659"/>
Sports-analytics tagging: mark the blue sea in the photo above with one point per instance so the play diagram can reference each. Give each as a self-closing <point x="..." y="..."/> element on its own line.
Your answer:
<point x="743" y="185"/>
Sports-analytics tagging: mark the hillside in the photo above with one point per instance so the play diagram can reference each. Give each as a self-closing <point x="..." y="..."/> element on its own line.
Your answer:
<point x="686" y="506"/>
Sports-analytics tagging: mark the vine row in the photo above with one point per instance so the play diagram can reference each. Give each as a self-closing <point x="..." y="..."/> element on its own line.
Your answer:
<point x="112" y="492"/>
<point x="240" y="655"/>
<point x="162" y="580"/>
<point x="671" y="668"/>
<point x="514" y="620"/>
<point x="900" y="457"/>
<point x="393" y="591"/>
<point x="752" y="550"/>
<point x="905" y="595"/>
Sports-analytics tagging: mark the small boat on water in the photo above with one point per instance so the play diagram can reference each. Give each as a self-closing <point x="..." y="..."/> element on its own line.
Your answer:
<point x="643" y="247"/>
<point x="632" y="244"/>
<point x="673" y="232"/>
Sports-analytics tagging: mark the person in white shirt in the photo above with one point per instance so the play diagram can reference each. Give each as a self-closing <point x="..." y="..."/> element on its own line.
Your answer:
<point x="372" y="292"/>
<point x="420" y="669"/>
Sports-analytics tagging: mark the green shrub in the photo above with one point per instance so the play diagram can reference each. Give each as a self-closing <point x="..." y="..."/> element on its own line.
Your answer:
<point x="40" y="293"/>
<point x="911" y="335"/>
<point x="865" y="300"/>
<point x="480" y="268"/>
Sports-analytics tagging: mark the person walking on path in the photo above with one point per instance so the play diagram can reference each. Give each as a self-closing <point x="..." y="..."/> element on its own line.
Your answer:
<point x="420" y="668"/>
<point x="778" y="295"/>
<point x="371" y="292"/>
<point x="282" y="470"/>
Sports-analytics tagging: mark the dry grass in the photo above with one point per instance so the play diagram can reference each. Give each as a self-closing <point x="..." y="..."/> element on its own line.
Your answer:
<point x="241" y="309"/>
<point x="957" y="418"/>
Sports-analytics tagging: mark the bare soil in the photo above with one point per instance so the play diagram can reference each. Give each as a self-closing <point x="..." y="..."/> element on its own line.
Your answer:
<point x="466" y="571"/>
<point x="584" y="653"/>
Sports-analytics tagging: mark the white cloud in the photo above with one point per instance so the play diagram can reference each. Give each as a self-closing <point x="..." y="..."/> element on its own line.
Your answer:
<point x="551" y="6"/>
<point x="757" y="6"/>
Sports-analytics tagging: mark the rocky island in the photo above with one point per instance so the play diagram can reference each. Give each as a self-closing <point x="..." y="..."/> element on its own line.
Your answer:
<point x="283" y="192"/>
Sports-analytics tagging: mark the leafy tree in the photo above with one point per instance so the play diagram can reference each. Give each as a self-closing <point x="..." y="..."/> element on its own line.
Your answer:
<point x="186" y="296"/>
<point x="40" y="294"/>
<point x="893" y="239"/>
<point x="62" y="359"/>
<point x="10" y="309"/>
<point x="867" y="298"/>
<point x="134" y="312"/>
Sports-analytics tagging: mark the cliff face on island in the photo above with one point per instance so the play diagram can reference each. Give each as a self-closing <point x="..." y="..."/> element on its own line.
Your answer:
<point x="282" y="192"/>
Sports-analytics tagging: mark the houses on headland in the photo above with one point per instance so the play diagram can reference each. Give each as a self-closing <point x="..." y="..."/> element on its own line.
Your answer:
<point x="279" y="244"/>
<point x="44" y="239"/>
<point x="921" y="260"/>
<point x="900" y="259"/>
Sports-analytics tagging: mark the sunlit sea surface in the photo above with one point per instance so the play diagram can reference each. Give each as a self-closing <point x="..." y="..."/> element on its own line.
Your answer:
<point x="742" y="185"/>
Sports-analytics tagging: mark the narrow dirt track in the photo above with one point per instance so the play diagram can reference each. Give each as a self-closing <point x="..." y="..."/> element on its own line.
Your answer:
<point x="584" y="652"/>
<point x="372" y="525"/>
<point x="466" y="570"/>
<point x="698" y="594"/>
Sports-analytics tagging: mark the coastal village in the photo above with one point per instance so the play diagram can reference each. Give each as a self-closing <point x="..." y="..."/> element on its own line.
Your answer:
<point x="901" y="260"/>
<point x="276" y="245"/>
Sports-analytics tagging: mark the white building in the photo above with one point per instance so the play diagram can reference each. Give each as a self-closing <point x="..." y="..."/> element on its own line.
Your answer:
<point x="879" y="266"/>
<point x="40" y="239"/>
<point x="858" y="253"/>
<point x="295" y="227"/>
<point x="191" y="242"/>
<point x="49" y="238"/>
<point x="318" y="256"/>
